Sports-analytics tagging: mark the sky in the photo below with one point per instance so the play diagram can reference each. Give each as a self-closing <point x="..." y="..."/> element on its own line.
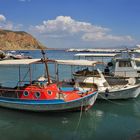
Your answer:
<point x="75" y="23"/>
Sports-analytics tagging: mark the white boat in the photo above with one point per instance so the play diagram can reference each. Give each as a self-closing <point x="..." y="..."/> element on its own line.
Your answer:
<point x="136" y="49"/>
<point x="15" y="55"/>
<point x="120" y="88"/>
<point x="123" y="64"/>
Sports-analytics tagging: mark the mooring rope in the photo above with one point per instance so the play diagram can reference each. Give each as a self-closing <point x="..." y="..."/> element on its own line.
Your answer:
<point x="110" y="100"/>
<point x="79" y="120"/>
<point x="138" y="103"/>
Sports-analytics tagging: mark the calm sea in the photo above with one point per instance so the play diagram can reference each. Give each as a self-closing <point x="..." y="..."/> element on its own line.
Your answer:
<point x="107" y="120"/>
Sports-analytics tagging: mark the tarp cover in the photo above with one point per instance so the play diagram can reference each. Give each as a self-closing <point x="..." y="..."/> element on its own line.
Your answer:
<point x="19" y="61"/>
<point x="78" y="62"/>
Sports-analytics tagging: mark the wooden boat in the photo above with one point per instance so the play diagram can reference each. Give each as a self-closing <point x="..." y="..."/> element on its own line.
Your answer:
<point x="42" y="95"/>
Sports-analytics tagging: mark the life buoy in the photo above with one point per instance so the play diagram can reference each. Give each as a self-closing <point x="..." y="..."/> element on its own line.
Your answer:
<point x="26" y="93"/>
<point x="37" y="94"/>
<point x="49" y="92"/>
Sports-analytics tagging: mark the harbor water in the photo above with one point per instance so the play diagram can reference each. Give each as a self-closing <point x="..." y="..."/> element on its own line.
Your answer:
<point x="106" y="120"/>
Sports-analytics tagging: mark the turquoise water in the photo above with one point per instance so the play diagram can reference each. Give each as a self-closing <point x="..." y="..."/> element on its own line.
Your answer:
<point x="107" y="120"/>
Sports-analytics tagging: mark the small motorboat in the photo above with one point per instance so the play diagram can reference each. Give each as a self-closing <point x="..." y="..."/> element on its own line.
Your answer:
<point x="113" y="87"/>
<point x="108" y="88"/>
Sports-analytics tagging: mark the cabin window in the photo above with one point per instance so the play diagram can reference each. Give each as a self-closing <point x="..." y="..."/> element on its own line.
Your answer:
<point x="26" y="93"/>
<point x="37" y="94"/>
<point x="125" y="64"/>
<point x="49" y="92"/>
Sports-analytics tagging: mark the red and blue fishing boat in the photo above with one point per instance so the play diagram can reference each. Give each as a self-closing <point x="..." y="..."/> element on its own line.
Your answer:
<point x="42" y="94"/>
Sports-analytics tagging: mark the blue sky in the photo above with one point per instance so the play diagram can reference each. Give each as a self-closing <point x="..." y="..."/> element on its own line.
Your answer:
<point x="75" y="23"/>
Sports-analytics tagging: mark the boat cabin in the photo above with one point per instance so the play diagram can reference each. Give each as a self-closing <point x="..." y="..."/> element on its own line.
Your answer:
<point x="123" y="64"/>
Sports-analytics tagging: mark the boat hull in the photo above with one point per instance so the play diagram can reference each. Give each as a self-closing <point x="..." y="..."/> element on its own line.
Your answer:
<point x="123" y="93"/>
<point x="49" y="105"/>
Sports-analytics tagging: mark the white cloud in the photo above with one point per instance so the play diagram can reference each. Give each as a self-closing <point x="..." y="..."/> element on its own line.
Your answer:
<point x="65" y="26"/>
<point x="100" y="36"/>
<point x="2" y="18"/>
<point x="8" y="25"/>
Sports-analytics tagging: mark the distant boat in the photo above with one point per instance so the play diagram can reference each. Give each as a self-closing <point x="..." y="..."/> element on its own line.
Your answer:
<point x="15" y="55"/>
<point x="136" y="49"/>
<point x="95" y="50"/>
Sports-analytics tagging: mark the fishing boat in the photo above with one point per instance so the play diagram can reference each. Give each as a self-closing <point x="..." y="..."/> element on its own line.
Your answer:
<point x="122" y="64"/>
<point x="116" y="88"/>
<point x="41" y="94"/>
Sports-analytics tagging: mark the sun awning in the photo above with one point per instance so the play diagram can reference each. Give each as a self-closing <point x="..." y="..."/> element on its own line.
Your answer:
<point x="96" y="54"/>
<point x="20" y="62"/>
<point x="78" y="62"/>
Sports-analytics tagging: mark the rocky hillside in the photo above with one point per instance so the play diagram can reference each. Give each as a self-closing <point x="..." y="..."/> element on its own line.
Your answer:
<point x="18" y="40"/>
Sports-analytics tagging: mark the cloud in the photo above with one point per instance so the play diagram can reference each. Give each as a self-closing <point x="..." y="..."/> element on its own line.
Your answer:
<point x="100" y="36"/>
<point x="65" y="26"/>
<point x="2" y="18"/>
<point x="8" y="25"/>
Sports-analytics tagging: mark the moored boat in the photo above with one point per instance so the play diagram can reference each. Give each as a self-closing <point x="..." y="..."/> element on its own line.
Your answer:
<point x="42" y="95"/>
<point x="112" y="88"/>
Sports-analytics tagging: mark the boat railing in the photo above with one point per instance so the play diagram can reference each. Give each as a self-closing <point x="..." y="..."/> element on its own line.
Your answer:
<point x="119" y="73"/>
<point x="128" y="73"/>
<point x="16" y="93"/>
<point x="7" y="92"/>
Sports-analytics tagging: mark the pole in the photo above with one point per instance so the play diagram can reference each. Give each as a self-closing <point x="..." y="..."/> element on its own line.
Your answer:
<point x="19" y="77"/>
<point x="30" y="72"/>
<point x="46" y="65"/>
<point x="56" y="72"/>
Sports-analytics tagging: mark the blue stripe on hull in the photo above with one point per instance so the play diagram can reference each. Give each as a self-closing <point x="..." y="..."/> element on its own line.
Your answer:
<point x="46" y="105"/>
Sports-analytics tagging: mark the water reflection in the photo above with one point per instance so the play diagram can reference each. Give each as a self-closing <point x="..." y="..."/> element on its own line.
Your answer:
<point x="136" y="136"/>
<point x="26" y="125"/>
<point x="121" y="121"/>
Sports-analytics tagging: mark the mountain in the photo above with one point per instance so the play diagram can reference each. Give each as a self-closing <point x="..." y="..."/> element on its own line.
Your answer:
<point x="18" y="40"/>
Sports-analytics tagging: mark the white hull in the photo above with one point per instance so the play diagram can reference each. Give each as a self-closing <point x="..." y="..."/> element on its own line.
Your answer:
<point x="118" y="92"/>
<point x="123" y="93"/>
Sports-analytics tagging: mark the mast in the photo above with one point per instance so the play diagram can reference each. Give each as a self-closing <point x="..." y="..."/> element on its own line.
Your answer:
<point x="46" y="65"/>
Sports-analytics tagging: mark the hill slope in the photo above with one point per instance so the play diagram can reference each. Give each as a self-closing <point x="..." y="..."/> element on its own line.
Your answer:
<point x="18" y="40"/>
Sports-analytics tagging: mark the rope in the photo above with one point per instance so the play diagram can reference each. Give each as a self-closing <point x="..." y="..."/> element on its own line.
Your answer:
<point x="78" y="124"/>
<point x="109" y="100"/>
<point x="138" y="103"/>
